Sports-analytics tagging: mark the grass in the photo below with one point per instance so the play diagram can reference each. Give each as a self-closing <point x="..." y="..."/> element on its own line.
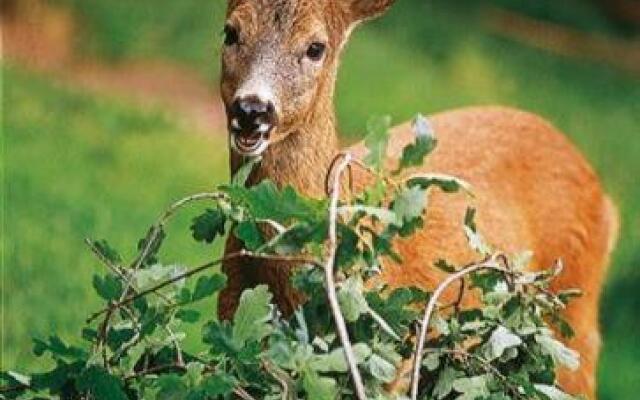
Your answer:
<point x="77" y="166"/>
<point x="81" y="167"/>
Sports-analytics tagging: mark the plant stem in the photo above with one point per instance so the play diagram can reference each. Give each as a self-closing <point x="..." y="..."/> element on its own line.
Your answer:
<point x="490" y="263"/>
<point x="330" y="281"/>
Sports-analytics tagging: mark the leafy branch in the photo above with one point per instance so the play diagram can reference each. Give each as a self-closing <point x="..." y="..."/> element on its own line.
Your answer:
<point x="353" y="334"/>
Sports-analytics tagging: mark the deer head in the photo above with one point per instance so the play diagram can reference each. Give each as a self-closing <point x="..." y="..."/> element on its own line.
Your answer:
<point x="279" y="65"/>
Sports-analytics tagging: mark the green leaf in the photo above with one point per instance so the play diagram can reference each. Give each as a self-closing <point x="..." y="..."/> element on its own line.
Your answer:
<point x="472" y="388"/>
<point x="171" y="387"/>
<point x="207" y="226"/>
<point x="101" y="384"/>
<point x="219" y="384"/>
<point x="414" y="153"/>
<point x="58" y="349"/>
<point x="249" y="233"/>
<point x="347" y="252"/>
<point x="294" y="239"/>
<point x="381" y="214"/>
<point x="152" y="241"/>
<point x="335" y="361"/>
<point x="500" y="340"/>
<point x="443" y="265"/>
<point x="374" y="195"/>
<point x="116" y="337"/>
<point x="475" y="239"/>
<point x="396" y="309"/>
<point x="189" y="316"/>
<point x="319" y="388"/>
<point x="208" y="285"/>
<point x="55" y="380"/>
<point x="567" y="295"/>
<point x="563" y="326"/>
<point x="109" y="287"/>
<point x="446" y="183"/>
<point x="432" y="360"/>
<point x="156" y="273"/>
<point x="220" y="337"/>
<point x="376" y="141"/>
<point x="251" y="321"/>
<point x="409" y="204"/>
<point x="470" y="219"/>
<point x="444" y="384"/>
<point x="487" y="282"/>
<point x="242" y="174"/>
<point x="560" y="353"/>
<point x="108" y="252"/>
<point x="477" y="242"/>
<point x="381" y="369"/>
<point x="351" y="298"/>
<point x="266" y="201"/>
<point x="553" y="393"/>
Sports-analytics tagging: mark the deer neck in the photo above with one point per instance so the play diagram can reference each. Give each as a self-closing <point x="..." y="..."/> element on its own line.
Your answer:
<point x="303" y="157"/>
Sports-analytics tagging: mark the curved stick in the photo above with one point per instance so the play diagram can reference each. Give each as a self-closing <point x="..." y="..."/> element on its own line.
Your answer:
<point x="330" y="281"/>
<point x="486" y="264"/>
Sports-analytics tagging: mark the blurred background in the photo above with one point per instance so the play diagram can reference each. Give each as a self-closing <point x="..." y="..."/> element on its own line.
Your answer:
<point x="110" y="112"/>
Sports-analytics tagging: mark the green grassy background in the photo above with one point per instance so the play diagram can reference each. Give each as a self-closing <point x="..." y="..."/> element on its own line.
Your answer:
<point x="77" y="166"/>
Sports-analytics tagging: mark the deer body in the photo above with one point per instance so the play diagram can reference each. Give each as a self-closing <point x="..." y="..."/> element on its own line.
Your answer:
<point x="533" y="190"/>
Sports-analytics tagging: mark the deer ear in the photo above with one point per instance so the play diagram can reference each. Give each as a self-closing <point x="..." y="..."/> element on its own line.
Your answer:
<point x="360" y="10"/>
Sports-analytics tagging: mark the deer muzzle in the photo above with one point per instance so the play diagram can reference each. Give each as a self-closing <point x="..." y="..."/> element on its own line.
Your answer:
<point x="251" y="121"/>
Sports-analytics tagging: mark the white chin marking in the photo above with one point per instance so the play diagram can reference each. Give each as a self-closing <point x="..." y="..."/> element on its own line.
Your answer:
<point x="253" y="152"/>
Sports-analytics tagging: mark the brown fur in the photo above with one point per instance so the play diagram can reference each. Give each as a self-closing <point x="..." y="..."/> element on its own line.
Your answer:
<point x="533" y="190"/>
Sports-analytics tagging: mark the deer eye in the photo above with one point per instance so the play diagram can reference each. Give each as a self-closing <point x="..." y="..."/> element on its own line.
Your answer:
<point x="230" y="35"/>
<point x="315" y="51"/>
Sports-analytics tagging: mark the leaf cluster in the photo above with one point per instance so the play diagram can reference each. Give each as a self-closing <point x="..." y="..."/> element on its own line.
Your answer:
<point x="133" y="348"/>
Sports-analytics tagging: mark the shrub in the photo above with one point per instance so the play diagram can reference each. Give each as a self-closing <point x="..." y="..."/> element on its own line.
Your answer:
<point x="353" y="338"/>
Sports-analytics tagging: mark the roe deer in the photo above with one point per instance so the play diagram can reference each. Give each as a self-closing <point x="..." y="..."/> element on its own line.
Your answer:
<point x="533" y="189"/>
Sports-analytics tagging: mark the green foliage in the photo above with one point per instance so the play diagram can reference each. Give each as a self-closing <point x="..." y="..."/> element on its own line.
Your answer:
<point x="264" y="201"/>
<point x="250" y="323"/>
<point x="132" y="348"/>
<point x="413" y="154"/>
<point x="208" y="226"/>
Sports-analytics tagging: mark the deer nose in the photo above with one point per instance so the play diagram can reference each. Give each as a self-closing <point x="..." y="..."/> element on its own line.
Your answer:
<point x="252" y="118"/>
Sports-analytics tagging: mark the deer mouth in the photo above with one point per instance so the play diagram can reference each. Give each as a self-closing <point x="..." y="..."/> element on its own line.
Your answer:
<point x="252" y="144"/>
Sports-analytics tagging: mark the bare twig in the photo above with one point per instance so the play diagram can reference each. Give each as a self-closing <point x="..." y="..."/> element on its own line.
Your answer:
<point x="102" y="337"/>
<point x="274" y="224"/>
<point x="240" y="392"/>
<point x="330" y="281"/>
<point x="490" y="263"/>
<point x="283" y="379"/>
<point x="176" y="344"/>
